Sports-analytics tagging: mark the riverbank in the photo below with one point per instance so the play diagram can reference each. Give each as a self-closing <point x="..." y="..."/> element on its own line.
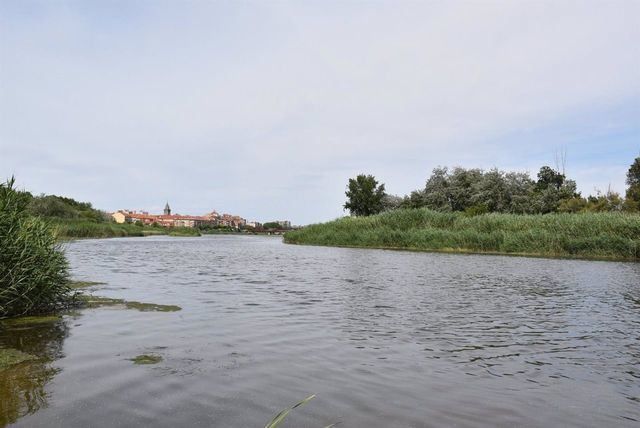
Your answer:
<point x="608" y="236"/>
<point x="74" y="229"/>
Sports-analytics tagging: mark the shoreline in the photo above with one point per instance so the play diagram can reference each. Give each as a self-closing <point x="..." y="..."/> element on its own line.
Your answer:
<point x="468" y="252"/>
<point x="588" y="236"/>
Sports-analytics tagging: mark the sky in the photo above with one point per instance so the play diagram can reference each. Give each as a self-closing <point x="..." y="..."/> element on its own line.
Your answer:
<point x="265" y="109"/>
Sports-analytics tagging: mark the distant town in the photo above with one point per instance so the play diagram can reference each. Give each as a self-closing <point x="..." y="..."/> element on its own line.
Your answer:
<point x="210" y="220"/>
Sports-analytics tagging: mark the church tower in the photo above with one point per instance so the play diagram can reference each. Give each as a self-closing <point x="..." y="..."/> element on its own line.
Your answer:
<point x="167" y="209"/>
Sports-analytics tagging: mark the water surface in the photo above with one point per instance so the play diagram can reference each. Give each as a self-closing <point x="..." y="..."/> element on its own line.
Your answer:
<point x="383" y="338"/>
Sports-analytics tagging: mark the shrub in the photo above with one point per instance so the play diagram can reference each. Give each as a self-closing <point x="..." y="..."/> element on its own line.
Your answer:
<point x="33" y="270"/>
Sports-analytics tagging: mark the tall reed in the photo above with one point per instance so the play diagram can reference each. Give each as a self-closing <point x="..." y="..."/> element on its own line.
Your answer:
<point x="584" y="235"/>
<point x="34" y="274"/>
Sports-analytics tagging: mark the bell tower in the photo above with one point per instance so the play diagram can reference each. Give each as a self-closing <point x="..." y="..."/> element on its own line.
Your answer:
<point x="167" y="209"/>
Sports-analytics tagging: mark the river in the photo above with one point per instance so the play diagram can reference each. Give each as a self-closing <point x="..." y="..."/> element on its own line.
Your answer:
<point x="383" y="338"/>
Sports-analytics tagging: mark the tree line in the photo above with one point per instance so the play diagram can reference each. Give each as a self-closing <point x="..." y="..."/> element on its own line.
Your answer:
<point x="476" y="191"/>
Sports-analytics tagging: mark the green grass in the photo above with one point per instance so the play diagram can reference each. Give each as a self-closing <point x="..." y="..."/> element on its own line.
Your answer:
<point x="589" y="235"/>
<point x="75" y="228"/>
<point x="184" y="231"/>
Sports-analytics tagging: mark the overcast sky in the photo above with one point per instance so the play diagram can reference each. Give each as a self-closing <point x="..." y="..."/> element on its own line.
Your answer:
<point x="266" y="109"/>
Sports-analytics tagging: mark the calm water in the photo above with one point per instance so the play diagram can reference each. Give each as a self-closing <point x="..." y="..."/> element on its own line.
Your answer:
<point x="385" y="339"/>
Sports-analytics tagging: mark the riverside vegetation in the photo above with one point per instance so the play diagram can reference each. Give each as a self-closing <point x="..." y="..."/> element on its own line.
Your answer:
<point x="470" y="210"/>
<point x="34" y="273"/>
<point x="73" y="219"/>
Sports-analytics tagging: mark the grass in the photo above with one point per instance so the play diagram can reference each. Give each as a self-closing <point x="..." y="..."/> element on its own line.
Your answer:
<point x="78" y="228"/>
<point x="612" y="236"/>
<point x="279" y="418"/>
<point x="184" y="231"/>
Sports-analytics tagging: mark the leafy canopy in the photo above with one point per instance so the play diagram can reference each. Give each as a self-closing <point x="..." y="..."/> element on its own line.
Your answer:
<point x="365" y="196"/>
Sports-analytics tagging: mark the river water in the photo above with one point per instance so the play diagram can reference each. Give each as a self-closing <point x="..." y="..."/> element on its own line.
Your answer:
<point x="383" y="338"/>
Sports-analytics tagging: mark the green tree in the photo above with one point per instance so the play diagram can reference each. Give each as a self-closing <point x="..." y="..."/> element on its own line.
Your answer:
<point x="633" y="175"/>
<point x="436" y="190"/>
<point x="461" y="187"/>
<point x="364" y="196"/>
<point x="552" y="188"/>
<point x="633" y="192"/>
<point x="549" y="178"/>
<point x="492" y="192"/>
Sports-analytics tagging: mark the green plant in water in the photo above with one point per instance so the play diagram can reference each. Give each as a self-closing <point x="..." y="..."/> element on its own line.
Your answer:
<point x="84" y="284"/>
<point x="34" y="274"/>
<point x="89" y="301"/>
<point x="277" y="420"/>
<point x="146" y="359"/>
<point x="26" y="321"/>
<point x="10" y="357"/>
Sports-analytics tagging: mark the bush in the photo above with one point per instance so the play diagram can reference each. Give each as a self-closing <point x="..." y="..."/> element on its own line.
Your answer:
<point x="34" y="274"/>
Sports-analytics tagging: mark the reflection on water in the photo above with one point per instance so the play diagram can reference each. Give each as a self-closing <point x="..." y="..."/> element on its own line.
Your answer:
<point x="383" y="338"/>
<point x="22" y="386"/>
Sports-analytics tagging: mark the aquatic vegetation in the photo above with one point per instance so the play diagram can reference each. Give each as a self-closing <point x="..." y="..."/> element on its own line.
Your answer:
<point x="146" y="359"/>
<point x="84" y="284"/>
<point x="10" y="357"/>
<point x="585" y="235"/>
<point x="279" y="418"/>
<point x="21" y="321"/>
<point x="27" y="348"/>
<point x="34" y="275"/>
<point x="90" y="301"/>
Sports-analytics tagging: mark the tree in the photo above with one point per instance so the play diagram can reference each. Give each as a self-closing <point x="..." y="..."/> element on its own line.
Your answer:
<point x="633" y="175"/>
<point x="364" y="196"/>
<point x="461" y="187"/>
<point x="552" y="188"/>
<point x="391" y="202"/>
<point x="633" y="192"/>
<point x="548" y="177"/>
<point x="436" y="190"/>
<point x="491" y="192"/>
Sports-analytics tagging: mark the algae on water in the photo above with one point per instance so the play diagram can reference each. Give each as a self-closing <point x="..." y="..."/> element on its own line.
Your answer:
<point x="146" y="359"/>
<point x="10" y="357"/>
<point x="33" y="320"/>
<point x="84" y="284"/>
<point x="96" y="302"/>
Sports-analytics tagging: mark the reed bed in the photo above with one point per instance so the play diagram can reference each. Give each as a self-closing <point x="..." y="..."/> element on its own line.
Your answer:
<point x="34" y="276"/>
<point x="586" y="235"/>
<point x="67" y="229"/>
<point x="70" y="229"/>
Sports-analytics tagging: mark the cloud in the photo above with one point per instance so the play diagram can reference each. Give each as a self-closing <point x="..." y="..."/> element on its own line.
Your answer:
<point x="265" y="109"/>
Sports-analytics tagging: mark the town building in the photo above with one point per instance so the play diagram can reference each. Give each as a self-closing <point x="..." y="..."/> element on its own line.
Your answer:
<point x="176" y="220"/>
